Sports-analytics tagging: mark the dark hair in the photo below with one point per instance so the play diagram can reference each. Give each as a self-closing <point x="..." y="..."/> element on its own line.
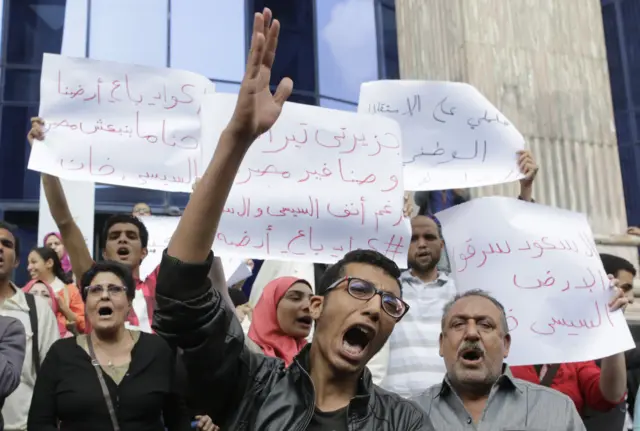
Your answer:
<point x="117" y="269"/>
<point x="479" y="293"/>
<point x="613" y="264"/>
<point x="13" y="230"/>
<point x="129" y="219"/>
<point x="46" y="254"/>
<point x="369" y="257"/>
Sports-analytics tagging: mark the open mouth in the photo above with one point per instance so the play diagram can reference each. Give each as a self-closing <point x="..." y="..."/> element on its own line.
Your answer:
<point x="306" y="320"/>
<point x="105" y="311"/>
<point x="472" y="355"/>
<point x="123" y="252"/>
<point x="355" y="341"/>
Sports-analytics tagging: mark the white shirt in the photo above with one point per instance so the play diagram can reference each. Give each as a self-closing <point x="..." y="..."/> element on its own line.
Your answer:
<point x="16" y="406"/>
<point x="414" y="361"/>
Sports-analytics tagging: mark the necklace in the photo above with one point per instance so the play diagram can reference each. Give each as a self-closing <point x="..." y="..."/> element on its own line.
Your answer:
<point x="109" y="361"/>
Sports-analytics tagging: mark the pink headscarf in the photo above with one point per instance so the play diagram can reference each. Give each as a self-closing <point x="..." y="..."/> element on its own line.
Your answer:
<point x="64" y="260"/>
<point x="265" y="330"/>
<point x="64" y="332"/>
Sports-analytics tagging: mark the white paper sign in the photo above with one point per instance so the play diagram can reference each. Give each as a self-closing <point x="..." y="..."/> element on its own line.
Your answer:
<point x="81" y="201"/>
<point x="161" y="229"/>
<point x="541" y="263"/>
<point x="320" y="183"/>
<point x="452" y="136"/>
<point x="120" y="124"/>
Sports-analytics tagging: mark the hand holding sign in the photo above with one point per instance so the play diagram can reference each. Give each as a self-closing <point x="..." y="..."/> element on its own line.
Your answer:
<point x="257" y="109"/>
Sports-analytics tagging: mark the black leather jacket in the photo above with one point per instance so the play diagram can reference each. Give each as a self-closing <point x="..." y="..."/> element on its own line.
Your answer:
<point x="241" y="390"/>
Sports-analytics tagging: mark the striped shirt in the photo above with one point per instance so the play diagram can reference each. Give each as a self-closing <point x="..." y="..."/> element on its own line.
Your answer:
<point x="414" y="362"/>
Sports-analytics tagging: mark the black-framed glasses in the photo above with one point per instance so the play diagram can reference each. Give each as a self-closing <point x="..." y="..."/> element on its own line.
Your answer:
<point x="112" y="289"/>
<point x="365" y="290"/>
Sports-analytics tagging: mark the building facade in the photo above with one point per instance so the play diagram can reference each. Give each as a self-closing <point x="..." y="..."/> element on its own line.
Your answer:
<point x="327" y="47"/>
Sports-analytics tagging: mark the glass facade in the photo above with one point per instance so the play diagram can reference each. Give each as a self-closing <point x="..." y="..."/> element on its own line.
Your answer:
<point x="328" y="48"/>
<point x="622" y="36"/>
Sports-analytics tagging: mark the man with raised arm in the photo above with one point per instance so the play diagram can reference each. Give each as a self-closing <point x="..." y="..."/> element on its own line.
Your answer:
<point x="327" y="386"/>
<point x="124" y="239"/>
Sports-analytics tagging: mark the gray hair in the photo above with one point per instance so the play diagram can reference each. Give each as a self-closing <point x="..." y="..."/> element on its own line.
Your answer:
<point x="483" y="294"/>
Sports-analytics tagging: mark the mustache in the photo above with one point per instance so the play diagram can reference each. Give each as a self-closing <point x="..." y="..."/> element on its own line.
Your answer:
<point x="470" y="345"/>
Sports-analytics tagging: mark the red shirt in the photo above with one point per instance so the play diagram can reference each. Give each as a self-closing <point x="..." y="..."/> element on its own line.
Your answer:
<point x="580" y="381"/>
<point x="148" y="288"/>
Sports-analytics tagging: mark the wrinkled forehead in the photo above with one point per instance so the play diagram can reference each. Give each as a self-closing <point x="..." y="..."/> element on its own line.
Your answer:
<point x="423" y="224"/>
<point x="474" y="307"/>
<point x="373" y="274"/>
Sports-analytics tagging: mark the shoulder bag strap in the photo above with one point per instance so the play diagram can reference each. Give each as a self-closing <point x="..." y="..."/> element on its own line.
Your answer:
<point x="551" y="373"/>
<point x="33" y="319"/>
<point x="103" y="385"/>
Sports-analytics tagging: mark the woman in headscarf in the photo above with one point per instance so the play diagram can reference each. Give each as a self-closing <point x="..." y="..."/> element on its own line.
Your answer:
<point x="53" y="240"/>
<point x="281" y="320"/>
<point x="43" y="290"/>
<point x="44" y="264"/>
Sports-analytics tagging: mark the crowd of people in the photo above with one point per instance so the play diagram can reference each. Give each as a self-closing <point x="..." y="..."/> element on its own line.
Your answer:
<point x="357" y="345"/>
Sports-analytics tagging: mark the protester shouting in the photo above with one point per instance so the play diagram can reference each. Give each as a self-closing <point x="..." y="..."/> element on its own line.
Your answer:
<point x="478" y="391"/>
<point x="113" y="377"/>
<point x="281" y="320"/>
<point x="327" y="386"/>
<point x="44" y="265"/>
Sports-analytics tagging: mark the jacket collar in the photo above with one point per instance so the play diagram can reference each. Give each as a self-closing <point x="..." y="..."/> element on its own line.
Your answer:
<point x="364" y="392"/>
<point x="506" y="381"/>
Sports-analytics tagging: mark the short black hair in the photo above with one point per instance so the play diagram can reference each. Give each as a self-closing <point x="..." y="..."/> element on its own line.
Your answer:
<point x="129" y="219"/>
<point x="47" y="253"/>
<point x="13" y="229"/>
<point x="369" y="257"/>
<point x="613" y="264"/>
<point x="117" y="269"/>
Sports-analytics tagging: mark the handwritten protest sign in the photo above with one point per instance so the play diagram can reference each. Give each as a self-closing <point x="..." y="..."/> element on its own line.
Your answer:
<point x="120" y="124"/>
<point x="452" y="137"/>
<point x="161" y="229"/>
<point x="320" y="183"/>
<point x="542" y="264"/>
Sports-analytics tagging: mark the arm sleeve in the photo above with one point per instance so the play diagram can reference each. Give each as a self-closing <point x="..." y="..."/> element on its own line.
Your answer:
<point x="76" y="305"/>
<point x="574" y="421"/>
<point x="48" y="332"/>
<point x="12" y="347"/>
<point x="589" y="383"/>
<point x="175" y="413"/>
<point x="192" y="316"/>
<point x="42" y="413"/>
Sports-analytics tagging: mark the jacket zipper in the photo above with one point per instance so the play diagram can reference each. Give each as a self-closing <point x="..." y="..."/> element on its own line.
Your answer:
<point x="313" y="406"/>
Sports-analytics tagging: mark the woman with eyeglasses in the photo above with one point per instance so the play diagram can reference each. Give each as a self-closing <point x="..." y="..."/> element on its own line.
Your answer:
<point x="113" y="378"/>
<point x="281" y="320"/>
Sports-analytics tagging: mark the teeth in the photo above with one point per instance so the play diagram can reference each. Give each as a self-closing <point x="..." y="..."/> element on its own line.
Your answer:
<point x="354" y="350"/>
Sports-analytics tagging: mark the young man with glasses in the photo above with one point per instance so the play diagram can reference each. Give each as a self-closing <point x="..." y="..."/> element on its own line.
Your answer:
<point x="327" y="386"/>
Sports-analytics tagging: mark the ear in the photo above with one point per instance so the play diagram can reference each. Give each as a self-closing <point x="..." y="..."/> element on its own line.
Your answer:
<point x="440" y="341"/>
<point x="316" y="304"/>
<point x="49" y="264"/>
<point x="144" y="253"/>
<point x="442" y="244"/>
<point x="507" y="345"/>
<point x="16" y="263"/>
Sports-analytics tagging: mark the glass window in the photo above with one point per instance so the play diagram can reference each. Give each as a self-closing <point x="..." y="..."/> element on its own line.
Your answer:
<point x="16" y="182"/>
<point x="226" y="87"/>
<point x="347" y="47"/>
<point x="614" y="57"/>
<point x="389" y="34"/>
<point x="296" y="49"/>
<point x="74" y="37"/>
<point x="22" y="85"/>
<point x="35" y="27"/>
<point x="129" y="31"/>
<point x="128" y="196"/>
<point x="630" y="11"/>
<point x="335" y="104"/>
<point x="213" y="50"/>
<point x="1" y="21"/>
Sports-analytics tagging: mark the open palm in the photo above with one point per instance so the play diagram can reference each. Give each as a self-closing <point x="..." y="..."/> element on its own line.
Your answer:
<point x="257" y="109"/>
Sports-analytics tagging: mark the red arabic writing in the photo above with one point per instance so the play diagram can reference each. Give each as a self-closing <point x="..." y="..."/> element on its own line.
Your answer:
<point x="537" y="248"/>
<point x="588" y="282"/>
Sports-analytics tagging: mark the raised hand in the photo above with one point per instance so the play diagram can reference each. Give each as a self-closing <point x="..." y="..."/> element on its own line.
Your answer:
<point x="36" y="131"/>
<point x="257" y="109"/>
<point x="528" y="167"/>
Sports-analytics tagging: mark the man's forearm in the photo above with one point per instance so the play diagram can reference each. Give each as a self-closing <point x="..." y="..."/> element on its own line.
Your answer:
<point x="57" y="200"/>
<point x="193" y="238"/>
<point x="613" y="377"/>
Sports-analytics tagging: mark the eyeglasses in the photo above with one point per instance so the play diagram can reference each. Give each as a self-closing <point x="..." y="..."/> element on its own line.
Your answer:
<point x="365" y="290"/>
<point x="112" y="290"/>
